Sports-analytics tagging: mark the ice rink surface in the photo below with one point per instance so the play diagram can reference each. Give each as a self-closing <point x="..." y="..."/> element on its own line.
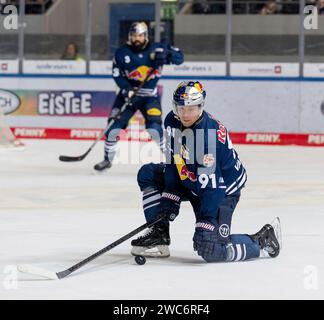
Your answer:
<point x="55" y="214"/>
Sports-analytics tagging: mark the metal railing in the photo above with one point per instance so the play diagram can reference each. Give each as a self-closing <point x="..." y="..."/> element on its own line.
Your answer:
<point x="169" y="9"/>
<point x="88" y="43"/>
<point x="31" y="6"/>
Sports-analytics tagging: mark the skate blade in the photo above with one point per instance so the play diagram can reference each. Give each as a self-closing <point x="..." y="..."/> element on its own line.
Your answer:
<point x="277" y="230"/>
<point x="156" y="252"/>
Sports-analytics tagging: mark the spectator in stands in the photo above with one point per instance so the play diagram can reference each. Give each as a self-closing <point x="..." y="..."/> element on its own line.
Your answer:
<point x="289" y="7"/>
<point x="269" y="8"/>
<point x="320" y="6"/>
<point x="201" y="7"/>
<point x="310" y="2"/>
<point x="241" y="7"/>
<point x="71" y="52"/>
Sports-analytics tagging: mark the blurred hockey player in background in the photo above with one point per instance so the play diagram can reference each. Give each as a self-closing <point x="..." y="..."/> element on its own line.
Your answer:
<point x="138" y="63"/>
<point x="201" y="167"/>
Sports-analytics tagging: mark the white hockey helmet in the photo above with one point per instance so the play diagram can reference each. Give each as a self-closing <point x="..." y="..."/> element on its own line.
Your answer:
<point x="189" y="93"/>
<point x="139" y="28"/>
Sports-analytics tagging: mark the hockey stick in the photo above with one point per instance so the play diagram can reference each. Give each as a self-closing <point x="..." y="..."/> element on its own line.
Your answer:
<point x="81" y="157"/>
<point x="26" y="268"/>
<point x="110" y="123"/>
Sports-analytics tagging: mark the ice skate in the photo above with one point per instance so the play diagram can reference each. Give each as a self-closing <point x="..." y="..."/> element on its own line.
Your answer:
<point x="269" y="238"/>
<point x="103" y="165"/>
<point x="154" y="243"/>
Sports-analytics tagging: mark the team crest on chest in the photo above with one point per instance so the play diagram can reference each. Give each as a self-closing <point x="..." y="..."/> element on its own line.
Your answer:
<point x="208" y="160"/>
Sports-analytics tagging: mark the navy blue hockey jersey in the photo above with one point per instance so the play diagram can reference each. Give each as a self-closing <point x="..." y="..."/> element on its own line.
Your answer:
<point x="202" y="161"/>
<point x="130" y="68"/>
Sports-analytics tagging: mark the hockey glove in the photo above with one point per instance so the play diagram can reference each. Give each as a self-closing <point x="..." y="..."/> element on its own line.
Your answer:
<point x="160" y="57"/>
<point x="206" y="242"/>
<point x="169" y="205"/>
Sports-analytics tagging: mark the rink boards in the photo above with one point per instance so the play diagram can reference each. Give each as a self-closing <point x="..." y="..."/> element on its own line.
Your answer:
<point x="256" y="110"/>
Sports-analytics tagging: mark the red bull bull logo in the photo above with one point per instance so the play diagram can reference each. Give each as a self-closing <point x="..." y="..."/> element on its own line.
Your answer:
<point x="183" y="171"/>
<point x="191" y="175"/>
<point x="142" y="72"/>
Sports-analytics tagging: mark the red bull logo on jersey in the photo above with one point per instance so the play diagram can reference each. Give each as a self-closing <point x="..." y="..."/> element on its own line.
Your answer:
<point x="183" y="171"/>
<point x="221" y="133"/>
<point x="208" y="160"/>
<point x="188" y="174"/>
<point x="142" y="72"/>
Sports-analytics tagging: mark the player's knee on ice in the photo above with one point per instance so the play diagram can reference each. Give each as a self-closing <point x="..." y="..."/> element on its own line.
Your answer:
<point x="207" y="246"/>
<point x="233" y="252"/>
<point x="218" y="254"/>
<point x="239" y="247"/>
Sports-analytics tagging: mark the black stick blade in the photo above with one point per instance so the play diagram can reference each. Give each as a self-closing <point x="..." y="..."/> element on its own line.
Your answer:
<point x="71" y="159"/>
<point x="74" y="159"/>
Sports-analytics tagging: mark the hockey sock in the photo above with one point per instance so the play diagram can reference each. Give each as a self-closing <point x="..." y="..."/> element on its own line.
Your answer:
<point x="242" y="247"/>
